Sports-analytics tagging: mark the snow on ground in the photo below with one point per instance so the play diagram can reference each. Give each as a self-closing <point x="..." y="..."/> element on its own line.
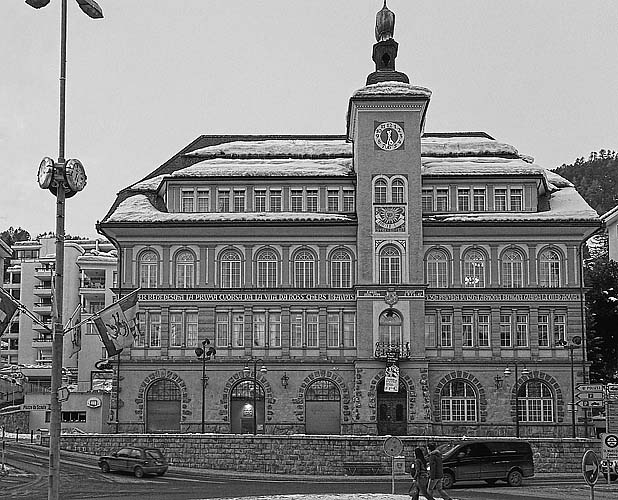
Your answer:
<point x="354" y="496"/>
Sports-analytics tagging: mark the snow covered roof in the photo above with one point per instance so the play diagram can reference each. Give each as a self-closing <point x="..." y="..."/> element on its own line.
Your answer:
<point x="392" y="88"/>
<point x="335" y="167"/>
<point x="478" y="166"/>
<point x="287" y="148"/>
<point x="137" y="208"/>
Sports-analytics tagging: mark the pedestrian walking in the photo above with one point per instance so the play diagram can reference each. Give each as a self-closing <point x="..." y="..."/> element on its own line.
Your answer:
<point x="436" y="473"/>
<point x="420" y="479"/>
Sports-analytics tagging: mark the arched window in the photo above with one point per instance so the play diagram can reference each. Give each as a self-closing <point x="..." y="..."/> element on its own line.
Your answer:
<point x="390" y="327"/>
<point x="458" y="402"/>
<point x="304" y="269"/>
<point x="266" y="263"/>
<point x="474" y="269"/>
<point x="185" y="269"/>
<point x="437" y="269"/>
<point x="536" y="402"/>
<point x="398" y="191"/>
<point x="512" y="269"/>
<point x="322" y="390"/>
<point x="230" y="265"/>
<point x="341" y="269"/>
<point x="163" y="402"/>
<point x="148" y="269"/>
<point x="549" y="268"/>
<point x="379" y="191"/>
<point x="390" y="265"/>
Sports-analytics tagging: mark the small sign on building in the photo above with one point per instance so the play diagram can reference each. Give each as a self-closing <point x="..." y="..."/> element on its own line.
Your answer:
<point x="391" y="379"/>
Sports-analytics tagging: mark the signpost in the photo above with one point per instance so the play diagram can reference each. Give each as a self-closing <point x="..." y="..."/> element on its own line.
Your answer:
<point x="590" y="470"/>
<point x="609" y="450"/>
<point x="393" y="448"/>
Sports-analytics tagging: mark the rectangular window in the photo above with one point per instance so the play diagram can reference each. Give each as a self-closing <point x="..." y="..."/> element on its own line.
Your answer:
<point x="505" y="330"/>
<point x="442" y="200"/>
<point x="191" y="328"/>
<point x="500" y="199"/>
<point x="222" y="330"/>
<point x="296" y="330"/>
<point x="463" y="200"/>
<point x="274" y="329"/>
<point x="522" y="330"/>
<point x="430" y="330"/>
<point x="176" y="329"/>
<point x="239" y="200"/>
<point x="154" y="330"/>
<point x="446" y="330"/>
<point x="203" y="200"/>
<point x="259" y="329"/>
<point x="479" y="199"/>
<point x="516" y="196"/>
<point x="312" y="330"/>
<point x="467" y="331"/>
<point x="312" y="200"/>
<point x="349" y="329"/>
<point x="333" y="200"/>
<point x="275" y="200"/>
<point x="223" y="200"/>
<point x="332" y="332"/>
<point x="427" y="200"/>
<point x="483" y="330"/>
<point x="186" y="200"/>
<point x="296" y="200"/>
<point x="543" y="326"/>
<point x="559" y="328"/>
<point x="259" y="200"/>
<point x="348" y="201"/>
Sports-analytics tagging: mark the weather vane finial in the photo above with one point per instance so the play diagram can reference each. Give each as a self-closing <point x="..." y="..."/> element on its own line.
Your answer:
<point x="385" y="24"/>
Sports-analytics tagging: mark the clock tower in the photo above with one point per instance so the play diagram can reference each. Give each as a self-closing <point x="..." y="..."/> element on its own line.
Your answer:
<point x="385" y="123"/>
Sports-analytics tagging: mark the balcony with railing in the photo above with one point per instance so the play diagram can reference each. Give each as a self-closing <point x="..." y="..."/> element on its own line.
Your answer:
<point x="44" y="328"/>
<point x="43" y="290"/>
<point x="42" y="307"/>
<point x="385" y="350"/>
<point x="42" y="341"/>
<point x="43" y="273"/>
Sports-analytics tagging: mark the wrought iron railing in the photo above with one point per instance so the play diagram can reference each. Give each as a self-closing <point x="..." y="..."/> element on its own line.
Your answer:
<point x="386" y="350"/>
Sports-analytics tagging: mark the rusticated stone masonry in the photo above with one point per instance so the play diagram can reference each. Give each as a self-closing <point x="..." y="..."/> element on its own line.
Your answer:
<point x="161" y="375"/>
<point x="333" y="377"/>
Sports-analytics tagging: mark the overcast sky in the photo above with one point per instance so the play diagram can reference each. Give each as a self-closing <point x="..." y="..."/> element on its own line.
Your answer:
<point x="153" y="75"/>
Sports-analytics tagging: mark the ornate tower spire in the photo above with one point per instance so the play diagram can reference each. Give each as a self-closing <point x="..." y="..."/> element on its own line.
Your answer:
<point x="385" y="50"/>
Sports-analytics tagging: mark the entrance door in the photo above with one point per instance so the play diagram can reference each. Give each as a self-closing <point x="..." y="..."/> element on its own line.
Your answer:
<point x="392" y="414"/>
<point x="322" y="408"/>
<point x="244" y="404"/>
<point x="163" y="407"/>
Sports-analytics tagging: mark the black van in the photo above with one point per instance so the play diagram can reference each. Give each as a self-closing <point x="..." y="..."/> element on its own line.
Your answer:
<point x="488" y="460"/>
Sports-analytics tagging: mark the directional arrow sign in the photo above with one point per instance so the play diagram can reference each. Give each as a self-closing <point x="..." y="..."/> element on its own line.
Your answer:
<point x="590" y="467"/>
<point x="586" y="396"/>
<point x="589" y="403"/>
<point x="590" y="387"/>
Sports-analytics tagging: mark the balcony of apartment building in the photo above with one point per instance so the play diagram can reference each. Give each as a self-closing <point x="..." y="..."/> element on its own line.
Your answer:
<point x="44" y="289"/>
<point x="43" y="341"/>
<point x="91" y="306"/>
<point x="92" y="282"/>
<point x="44" y="273"/>
<point x="45" y="327"/>
<point x="43" y="307"/>
<point x="13" y="278"/>
<point x="44" y="357"/>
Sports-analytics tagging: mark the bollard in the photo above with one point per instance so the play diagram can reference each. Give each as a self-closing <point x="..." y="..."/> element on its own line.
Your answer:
<point x="17" y="434"/>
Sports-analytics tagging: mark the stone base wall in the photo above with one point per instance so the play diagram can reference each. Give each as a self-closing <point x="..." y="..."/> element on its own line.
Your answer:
<point x="323" y="455"/>
<point x="11" y="421"/>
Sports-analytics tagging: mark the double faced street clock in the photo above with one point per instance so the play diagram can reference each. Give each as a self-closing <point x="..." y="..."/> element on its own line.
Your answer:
<point x="388" y="136"/>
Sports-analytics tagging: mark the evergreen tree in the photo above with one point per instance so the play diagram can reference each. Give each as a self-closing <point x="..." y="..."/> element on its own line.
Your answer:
<point x="12" y="235"/>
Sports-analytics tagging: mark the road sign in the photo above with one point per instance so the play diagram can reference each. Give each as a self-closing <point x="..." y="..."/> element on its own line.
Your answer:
<point x="590" y="467"/>
<point x="587" y="396"/>
<point x="590" y="387"/>
<point x="589" y="404"/>
<point x="609" y="446"/>
<point x="612" y="392"/>
<point x="393" y="446"/>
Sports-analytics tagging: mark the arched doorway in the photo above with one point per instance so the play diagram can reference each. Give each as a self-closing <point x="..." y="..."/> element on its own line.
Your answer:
<point x="163" y="406"/>
<point x="392" y="411"/>
<point x="322" y="408"/>
<point x="242" y="407"/>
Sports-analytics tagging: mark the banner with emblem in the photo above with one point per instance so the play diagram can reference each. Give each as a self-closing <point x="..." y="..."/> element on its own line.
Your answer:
<point x="8" y="307"/>
<point x="117" y="324"/>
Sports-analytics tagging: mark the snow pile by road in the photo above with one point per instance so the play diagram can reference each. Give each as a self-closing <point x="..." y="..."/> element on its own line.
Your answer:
<point x="353" y="496"/>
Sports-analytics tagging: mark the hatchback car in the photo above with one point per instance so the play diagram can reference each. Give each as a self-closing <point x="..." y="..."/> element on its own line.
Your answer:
<point x="488" y="460"/>
<point x="135" y="459"/>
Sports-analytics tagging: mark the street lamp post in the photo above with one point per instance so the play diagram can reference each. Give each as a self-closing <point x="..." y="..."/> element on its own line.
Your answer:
<point x="571" y="346"/>
<point x="507" y="372"/>
<point x="246" y="370"/>
<point x="204" y="353"/>
<point x="64" y="179"/>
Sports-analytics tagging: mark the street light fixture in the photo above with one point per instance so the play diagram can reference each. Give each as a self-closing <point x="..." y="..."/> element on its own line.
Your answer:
<point x="246" y="371"/>
<point x="64" y="179"/>
<point x="507" y="373"/>
<point x="575" y="342"/>
<point x="204" y="353"/>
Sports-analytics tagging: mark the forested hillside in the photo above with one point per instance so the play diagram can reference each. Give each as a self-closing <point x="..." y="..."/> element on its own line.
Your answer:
<point x="596" y="179"/>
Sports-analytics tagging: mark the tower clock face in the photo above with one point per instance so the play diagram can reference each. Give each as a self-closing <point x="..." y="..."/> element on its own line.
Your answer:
<point x="389" y="136"/>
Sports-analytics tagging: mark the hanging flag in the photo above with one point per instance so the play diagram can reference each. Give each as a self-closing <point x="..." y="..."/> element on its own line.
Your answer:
<point x="117" y="324"/>
<point x="75" y="328"/>
<point x="7" y="310"/>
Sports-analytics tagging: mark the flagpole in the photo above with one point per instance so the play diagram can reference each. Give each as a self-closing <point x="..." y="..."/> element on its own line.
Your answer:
<point x="25" y="310"/>
<point x="117" y="394"/>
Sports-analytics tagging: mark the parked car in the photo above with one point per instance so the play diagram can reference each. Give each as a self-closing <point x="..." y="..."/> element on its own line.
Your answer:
<point x="488" y="460"/>
<point x="135" y="459"/>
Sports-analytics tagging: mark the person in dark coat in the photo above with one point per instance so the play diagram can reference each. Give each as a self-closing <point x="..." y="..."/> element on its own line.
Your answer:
<point x="436" y="473"/>
<point x="420" y="480"/>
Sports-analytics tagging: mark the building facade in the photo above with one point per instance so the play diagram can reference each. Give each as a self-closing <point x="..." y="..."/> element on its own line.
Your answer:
<point x="90" y="268"/>
<point x="385" y="281"/>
